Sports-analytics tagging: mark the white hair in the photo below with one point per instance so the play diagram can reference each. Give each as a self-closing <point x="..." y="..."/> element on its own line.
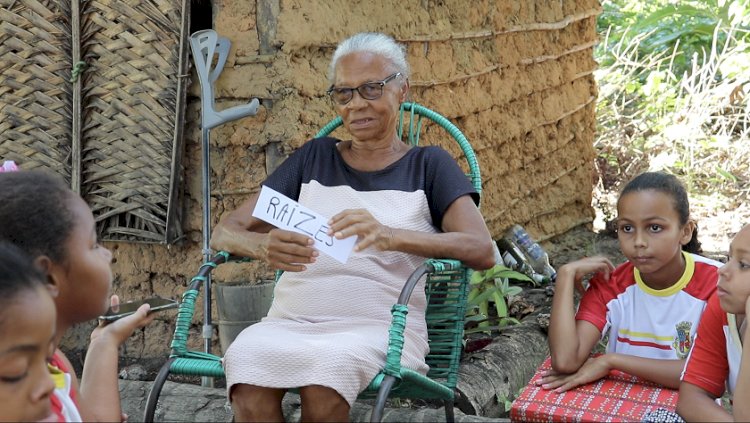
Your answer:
<point x="371" y="42"/>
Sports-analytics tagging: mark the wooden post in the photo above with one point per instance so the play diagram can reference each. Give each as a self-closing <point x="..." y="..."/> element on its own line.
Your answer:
<point x="173" y="229"/>
<point x="76" y="146"/>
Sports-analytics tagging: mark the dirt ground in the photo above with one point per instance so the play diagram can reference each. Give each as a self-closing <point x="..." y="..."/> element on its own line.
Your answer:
<point x="580" y="242"/>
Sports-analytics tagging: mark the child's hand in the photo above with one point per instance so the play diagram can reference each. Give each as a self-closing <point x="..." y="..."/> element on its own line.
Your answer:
<point x="121" y="329"/>
<point x="585" y="266"/>
<point x="592" y="370"/>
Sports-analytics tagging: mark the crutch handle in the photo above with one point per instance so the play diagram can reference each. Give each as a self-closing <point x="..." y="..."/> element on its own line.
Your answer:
<point x="213" y="118"/>
<point x="205" y="45"/>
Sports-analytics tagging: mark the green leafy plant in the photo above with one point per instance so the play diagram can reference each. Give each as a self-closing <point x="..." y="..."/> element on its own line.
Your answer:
<point x="653" y="116"/>
<point x="492" y="286"/>
<point x="673" y="81"/>
<point x="687" y="27"/>
<point x="507" y="400"/>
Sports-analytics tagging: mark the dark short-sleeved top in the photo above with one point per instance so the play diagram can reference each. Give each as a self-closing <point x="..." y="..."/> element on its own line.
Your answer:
<point x="429" y="169"/>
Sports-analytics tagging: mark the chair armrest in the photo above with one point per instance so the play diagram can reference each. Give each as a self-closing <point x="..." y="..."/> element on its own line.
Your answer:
<point x="429" y="266"/>
<point x="186" y="309"/>
<point x="400" y="310"/>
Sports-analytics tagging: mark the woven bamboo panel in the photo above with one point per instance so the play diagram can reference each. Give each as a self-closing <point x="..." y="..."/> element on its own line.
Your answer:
<point x="132" y="99"/>
<point x="35" y="91"/>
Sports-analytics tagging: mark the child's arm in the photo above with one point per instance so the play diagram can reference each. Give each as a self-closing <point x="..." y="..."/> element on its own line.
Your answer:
<point x="741" y="399"/>
<point x="99" y="398"/>
<point x="706" y="370"/>
<point x="571" y="341"/>
<point x="695" y="404"/>
<point x="663" y="372"/>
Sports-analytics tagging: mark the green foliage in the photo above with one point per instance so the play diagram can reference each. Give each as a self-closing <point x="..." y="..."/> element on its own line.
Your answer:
<point x="686" y="27"/>
<point x="507" y="400"/>
<point x="674" y="85"/>
<point x="492" y="286"/>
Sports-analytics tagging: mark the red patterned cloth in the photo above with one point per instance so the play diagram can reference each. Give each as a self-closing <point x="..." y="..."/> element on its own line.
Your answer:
<point x="619" y="397"/>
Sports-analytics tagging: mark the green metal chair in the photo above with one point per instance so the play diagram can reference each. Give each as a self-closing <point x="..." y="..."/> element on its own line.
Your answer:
<point x="446" y="289"/>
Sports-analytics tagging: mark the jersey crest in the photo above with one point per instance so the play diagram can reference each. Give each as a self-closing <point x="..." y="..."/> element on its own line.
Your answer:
<point x="682" y="341"/>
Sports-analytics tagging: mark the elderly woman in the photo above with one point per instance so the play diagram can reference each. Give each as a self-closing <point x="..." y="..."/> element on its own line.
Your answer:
<point x="327" y="330"/>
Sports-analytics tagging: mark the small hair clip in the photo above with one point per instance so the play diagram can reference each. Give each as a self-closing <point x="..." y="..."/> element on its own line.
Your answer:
<point x="9" y="166"/>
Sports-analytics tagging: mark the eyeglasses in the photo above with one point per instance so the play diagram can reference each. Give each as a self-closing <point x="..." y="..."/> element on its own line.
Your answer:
<point x="369" y="90"/>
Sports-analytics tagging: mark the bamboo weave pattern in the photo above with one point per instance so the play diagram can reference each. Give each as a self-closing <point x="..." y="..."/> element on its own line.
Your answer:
<point x="35" y="94"/>
<point x="129" y="69"/>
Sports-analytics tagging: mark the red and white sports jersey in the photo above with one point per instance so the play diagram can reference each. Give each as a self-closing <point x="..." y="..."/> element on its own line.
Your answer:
<point x="63" y="398"/>
<point x="646" y="322"/>
<point x="716" y="356"/>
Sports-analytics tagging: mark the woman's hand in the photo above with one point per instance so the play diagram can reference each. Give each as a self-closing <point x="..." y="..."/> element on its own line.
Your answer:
<point x="288" y="251"/>
<point x="119" y="331"/>
<point x="361" y="223"/>
<point x="593" y="369"/>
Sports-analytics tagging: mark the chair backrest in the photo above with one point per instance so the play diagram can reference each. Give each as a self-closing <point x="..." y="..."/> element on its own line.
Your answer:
<point x="446" y="290"/>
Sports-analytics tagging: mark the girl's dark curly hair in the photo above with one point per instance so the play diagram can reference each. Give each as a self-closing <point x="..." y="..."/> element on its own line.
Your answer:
<point x="17" y="275"/>
<point x="35" y="213"/>
<point x="670" y="185"/>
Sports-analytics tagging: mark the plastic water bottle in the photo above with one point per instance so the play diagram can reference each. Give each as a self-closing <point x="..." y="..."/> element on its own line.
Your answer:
<point x="538" y="258"/>
<point x="514" y="258"/>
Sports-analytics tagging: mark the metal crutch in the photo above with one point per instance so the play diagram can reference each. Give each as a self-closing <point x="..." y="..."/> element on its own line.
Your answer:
<point x="205" y="45"/>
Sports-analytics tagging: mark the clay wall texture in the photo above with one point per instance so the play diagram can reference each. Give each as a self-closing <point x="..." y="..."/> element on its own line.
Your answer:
<point x="515" y="76"/>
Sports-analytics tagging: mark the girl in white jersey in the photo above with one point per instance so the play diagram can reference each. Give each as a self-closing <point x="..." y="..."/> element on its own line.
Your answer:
<point x="650" y="305"/>
<point x="719" y="360"/>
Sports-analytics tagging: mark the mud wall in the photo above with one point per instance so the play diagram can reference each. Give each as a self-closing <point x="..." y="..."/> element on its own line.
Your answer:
<point x="515" y="76"/>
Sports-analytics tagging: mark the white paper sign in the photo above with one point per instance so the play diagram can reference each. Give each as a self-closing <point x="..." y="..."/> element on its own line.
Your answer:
<point x="285" y="213"/>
